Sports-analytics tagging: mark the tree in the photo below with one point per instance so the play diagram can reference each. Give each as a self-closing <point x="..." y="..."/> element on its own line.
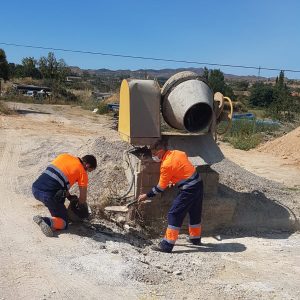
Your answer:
<point x="216" y="81"/>
<point x="261" y="95"/>
<point x="51" y="68"/>
<point x="30" y="68"/>
<point x="276" y="99"/>
<point x="280" y="80"/>
<point x="205" y="74"/>
<point x="15" y="70"/>
<point x="284" y="104"/>
<point x="4" y="68"/>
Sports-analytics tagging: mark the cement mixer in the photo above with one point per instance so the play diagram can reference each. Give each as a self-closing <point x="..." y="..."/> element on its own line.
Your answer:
<point x="186" y="103"/>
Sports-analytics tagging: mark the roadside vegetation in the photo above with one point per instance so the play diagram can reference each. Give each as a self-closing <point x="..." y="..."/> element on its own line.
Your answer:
<point x="247" y="134"/>
<point x="4" y="110"/>
<point x="276" y="106"/>
<point x="67" y="84"/>
<point x="267" y="99"/>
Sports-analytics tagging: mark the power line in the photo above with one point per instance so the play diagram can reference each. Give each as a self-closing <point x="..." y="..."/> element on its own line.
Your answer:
<point x="150" y="58"/>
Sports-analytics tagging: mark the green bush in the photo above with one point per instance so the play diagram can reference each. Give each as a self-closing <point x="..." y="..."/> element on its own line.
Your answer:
<point x="247" y="134"/>
<point x="245" y="142"/>
<point x="65" y="95"/>
<point x="102" y="108"/>
<point x="90" y="104"/>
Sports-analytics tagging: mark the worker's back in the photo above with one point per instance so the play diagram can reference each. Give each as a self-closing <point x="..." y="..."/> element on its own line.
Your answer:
<point x="72" y="168"/>
<point x="176" y="165"/>
<point x="62" y="173"/>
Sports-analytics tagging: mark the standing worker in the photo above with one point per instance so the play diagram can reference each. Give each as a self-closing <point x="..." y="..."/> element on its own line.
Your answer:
<point x="176" y="168"/>
<point x="52" y="187"/>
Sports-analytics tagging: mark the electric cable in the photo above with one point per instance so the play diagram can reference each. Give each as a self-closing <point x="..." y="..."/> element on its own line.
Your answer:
<point x="150" y="58"/>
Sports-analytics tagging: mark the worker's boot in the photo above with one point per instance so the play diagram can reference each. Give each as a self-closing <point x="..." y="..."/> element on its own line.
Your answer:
<point x="161" y="248"/>
<point x="196" y="242"/>
<point x="46" y="229"/>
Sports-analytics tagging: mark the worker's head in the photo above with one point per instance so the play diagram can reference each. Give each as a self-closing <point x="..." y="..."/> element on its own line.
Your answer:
<point x="158" y="150"/>
<point x="89" y="162"/>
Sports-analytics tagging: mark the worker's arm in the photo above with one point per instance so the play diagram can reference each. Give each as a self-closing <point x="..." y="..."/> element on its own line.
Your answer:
<point x="82" y="185"/>
<point x="164" y="180"/>
<point x="82" y="194"/>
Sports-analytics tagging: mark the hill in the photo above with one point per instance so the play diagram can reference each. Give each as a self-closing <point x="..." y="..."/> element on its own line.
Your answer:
<point x="160" y="73"/>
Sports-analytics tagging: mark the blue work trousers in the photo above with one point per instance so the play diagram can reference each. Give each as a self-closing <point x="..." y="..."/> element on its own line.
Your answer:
<point x="188" y="201"/>
<point x="55" y="207"/>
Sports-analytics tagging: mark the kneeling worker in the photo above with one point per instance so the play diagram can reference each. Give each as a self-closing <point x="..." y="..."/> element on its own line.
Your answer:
<point x="52" y="187"/>
<point x="176" y="169"/>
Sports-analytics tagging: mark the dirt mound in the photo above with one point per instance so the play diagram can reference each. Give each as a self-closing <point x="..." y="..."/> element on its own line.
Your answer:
<point x="287" y="147"/>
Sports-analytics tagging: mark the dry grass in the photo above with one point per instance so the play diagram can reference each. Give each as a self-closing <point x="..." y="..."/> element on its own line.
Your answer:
<point x="4" y="109"/>
<point x="84" y="95"/>
<point x="115" y="98"/>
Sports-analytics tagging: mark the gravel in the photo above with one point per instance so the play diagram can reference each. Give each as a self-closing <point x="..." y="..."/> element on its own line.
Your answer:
<point x="240" y="180"/>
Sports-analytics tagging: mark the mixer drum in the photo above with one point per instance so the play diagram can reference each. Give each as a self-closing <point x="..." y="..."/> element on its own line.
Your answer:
<point x="187" y="102"/>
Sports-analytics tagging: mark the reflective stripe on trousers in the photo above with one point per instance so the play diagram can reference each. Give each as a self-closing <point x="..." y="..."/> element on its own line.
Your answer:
<point x="58" y="223"/>
<point x="195" y="231"/>
<point x="171" y="234"/>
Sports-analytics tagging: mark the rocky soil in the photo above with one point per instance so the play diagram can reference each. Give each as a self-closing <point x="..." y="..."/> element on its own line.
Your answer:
<point x="101" y="260"/>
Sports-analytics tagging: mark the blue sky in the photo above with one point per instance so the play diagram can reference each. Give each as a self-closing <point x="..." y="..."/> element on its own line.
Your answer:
<point x="255" y="33"/>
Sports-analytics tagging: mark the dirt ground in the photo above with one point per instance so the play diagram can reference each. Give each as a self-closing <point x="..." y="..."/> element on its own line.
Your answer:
<point x="287" y="147"/>
<point x="111" y="263"/>
<point x="263" y="162"/>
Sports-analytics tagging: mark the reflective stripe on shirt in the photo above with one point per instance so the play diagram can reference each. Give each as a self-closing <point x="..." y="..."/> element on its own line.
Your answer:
<point x="184" y="184"/>
<point x="58" y="175"/>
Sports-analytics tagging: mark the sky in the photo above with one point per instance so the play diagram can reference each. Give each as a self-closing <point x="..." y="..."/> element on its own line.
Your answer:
<point x="254" y="33"/>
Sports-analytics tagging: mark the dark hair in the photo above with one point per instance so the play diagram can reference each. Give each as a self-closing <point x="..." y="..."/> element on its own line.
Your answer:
<point x="91" y="160"/>
<point x="159" y="145"/>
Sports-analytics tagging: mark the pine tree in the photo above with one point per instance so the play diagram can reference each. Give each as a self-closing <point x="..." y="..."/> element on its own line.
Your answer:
<point x="4" y="68"/>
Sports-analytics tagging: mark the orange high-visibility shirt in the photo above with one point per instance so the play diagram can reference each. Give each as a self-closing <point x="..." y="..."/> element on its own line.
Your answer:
<point x="175" y="166"/>
<point x="72" y="169"/>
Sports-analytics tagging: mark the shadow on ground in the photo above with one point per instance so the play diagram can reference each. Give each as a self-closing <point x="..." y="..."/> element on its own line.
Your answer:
<point x="210" y="247"/>
<point x="248" y="214"/>
<point x="26" y="111"/>
<point x="103" y="233"/>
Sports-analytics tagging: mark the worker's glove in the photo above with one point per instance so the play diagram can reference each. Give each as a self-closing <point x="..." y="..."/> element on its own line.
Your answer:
<point x="72" y="198"/>
<point x="60" y="196"/>
<point x="80" y="209"/>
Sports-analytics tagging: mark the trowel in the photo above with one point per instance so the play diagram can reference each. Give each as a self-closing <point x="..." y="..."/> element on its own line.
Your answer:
<point x="119" y="208"/>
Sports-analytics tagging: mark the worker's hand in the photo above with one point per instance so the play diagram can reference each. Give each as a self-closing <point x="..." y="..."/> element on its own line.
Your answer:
<point x="171" y="184"/>
<point x="80" y="209"/>
<point x="142" y="197"/>
<point x="72" y="198"/>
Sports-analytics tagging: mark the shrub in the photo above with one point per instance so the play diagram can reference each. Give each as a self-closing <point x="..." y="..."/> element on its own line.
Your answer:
<point x="18" y="98"/>
<point x="102" y="108"/>
<point x="65" y="95"/>
<point x="247" y="134"/>
<point x="245" y="142"/>
<point x="4" y="109"/>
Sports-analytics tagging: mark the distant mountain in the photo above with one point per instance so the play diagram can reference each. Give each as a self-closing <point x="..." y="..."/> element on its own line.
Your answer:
<point x="151" y="73"/>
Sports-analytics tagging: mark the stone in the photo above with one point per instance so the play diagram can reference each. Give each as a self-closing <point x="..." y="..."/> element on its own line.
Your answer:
<point x="177" y="272"/>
